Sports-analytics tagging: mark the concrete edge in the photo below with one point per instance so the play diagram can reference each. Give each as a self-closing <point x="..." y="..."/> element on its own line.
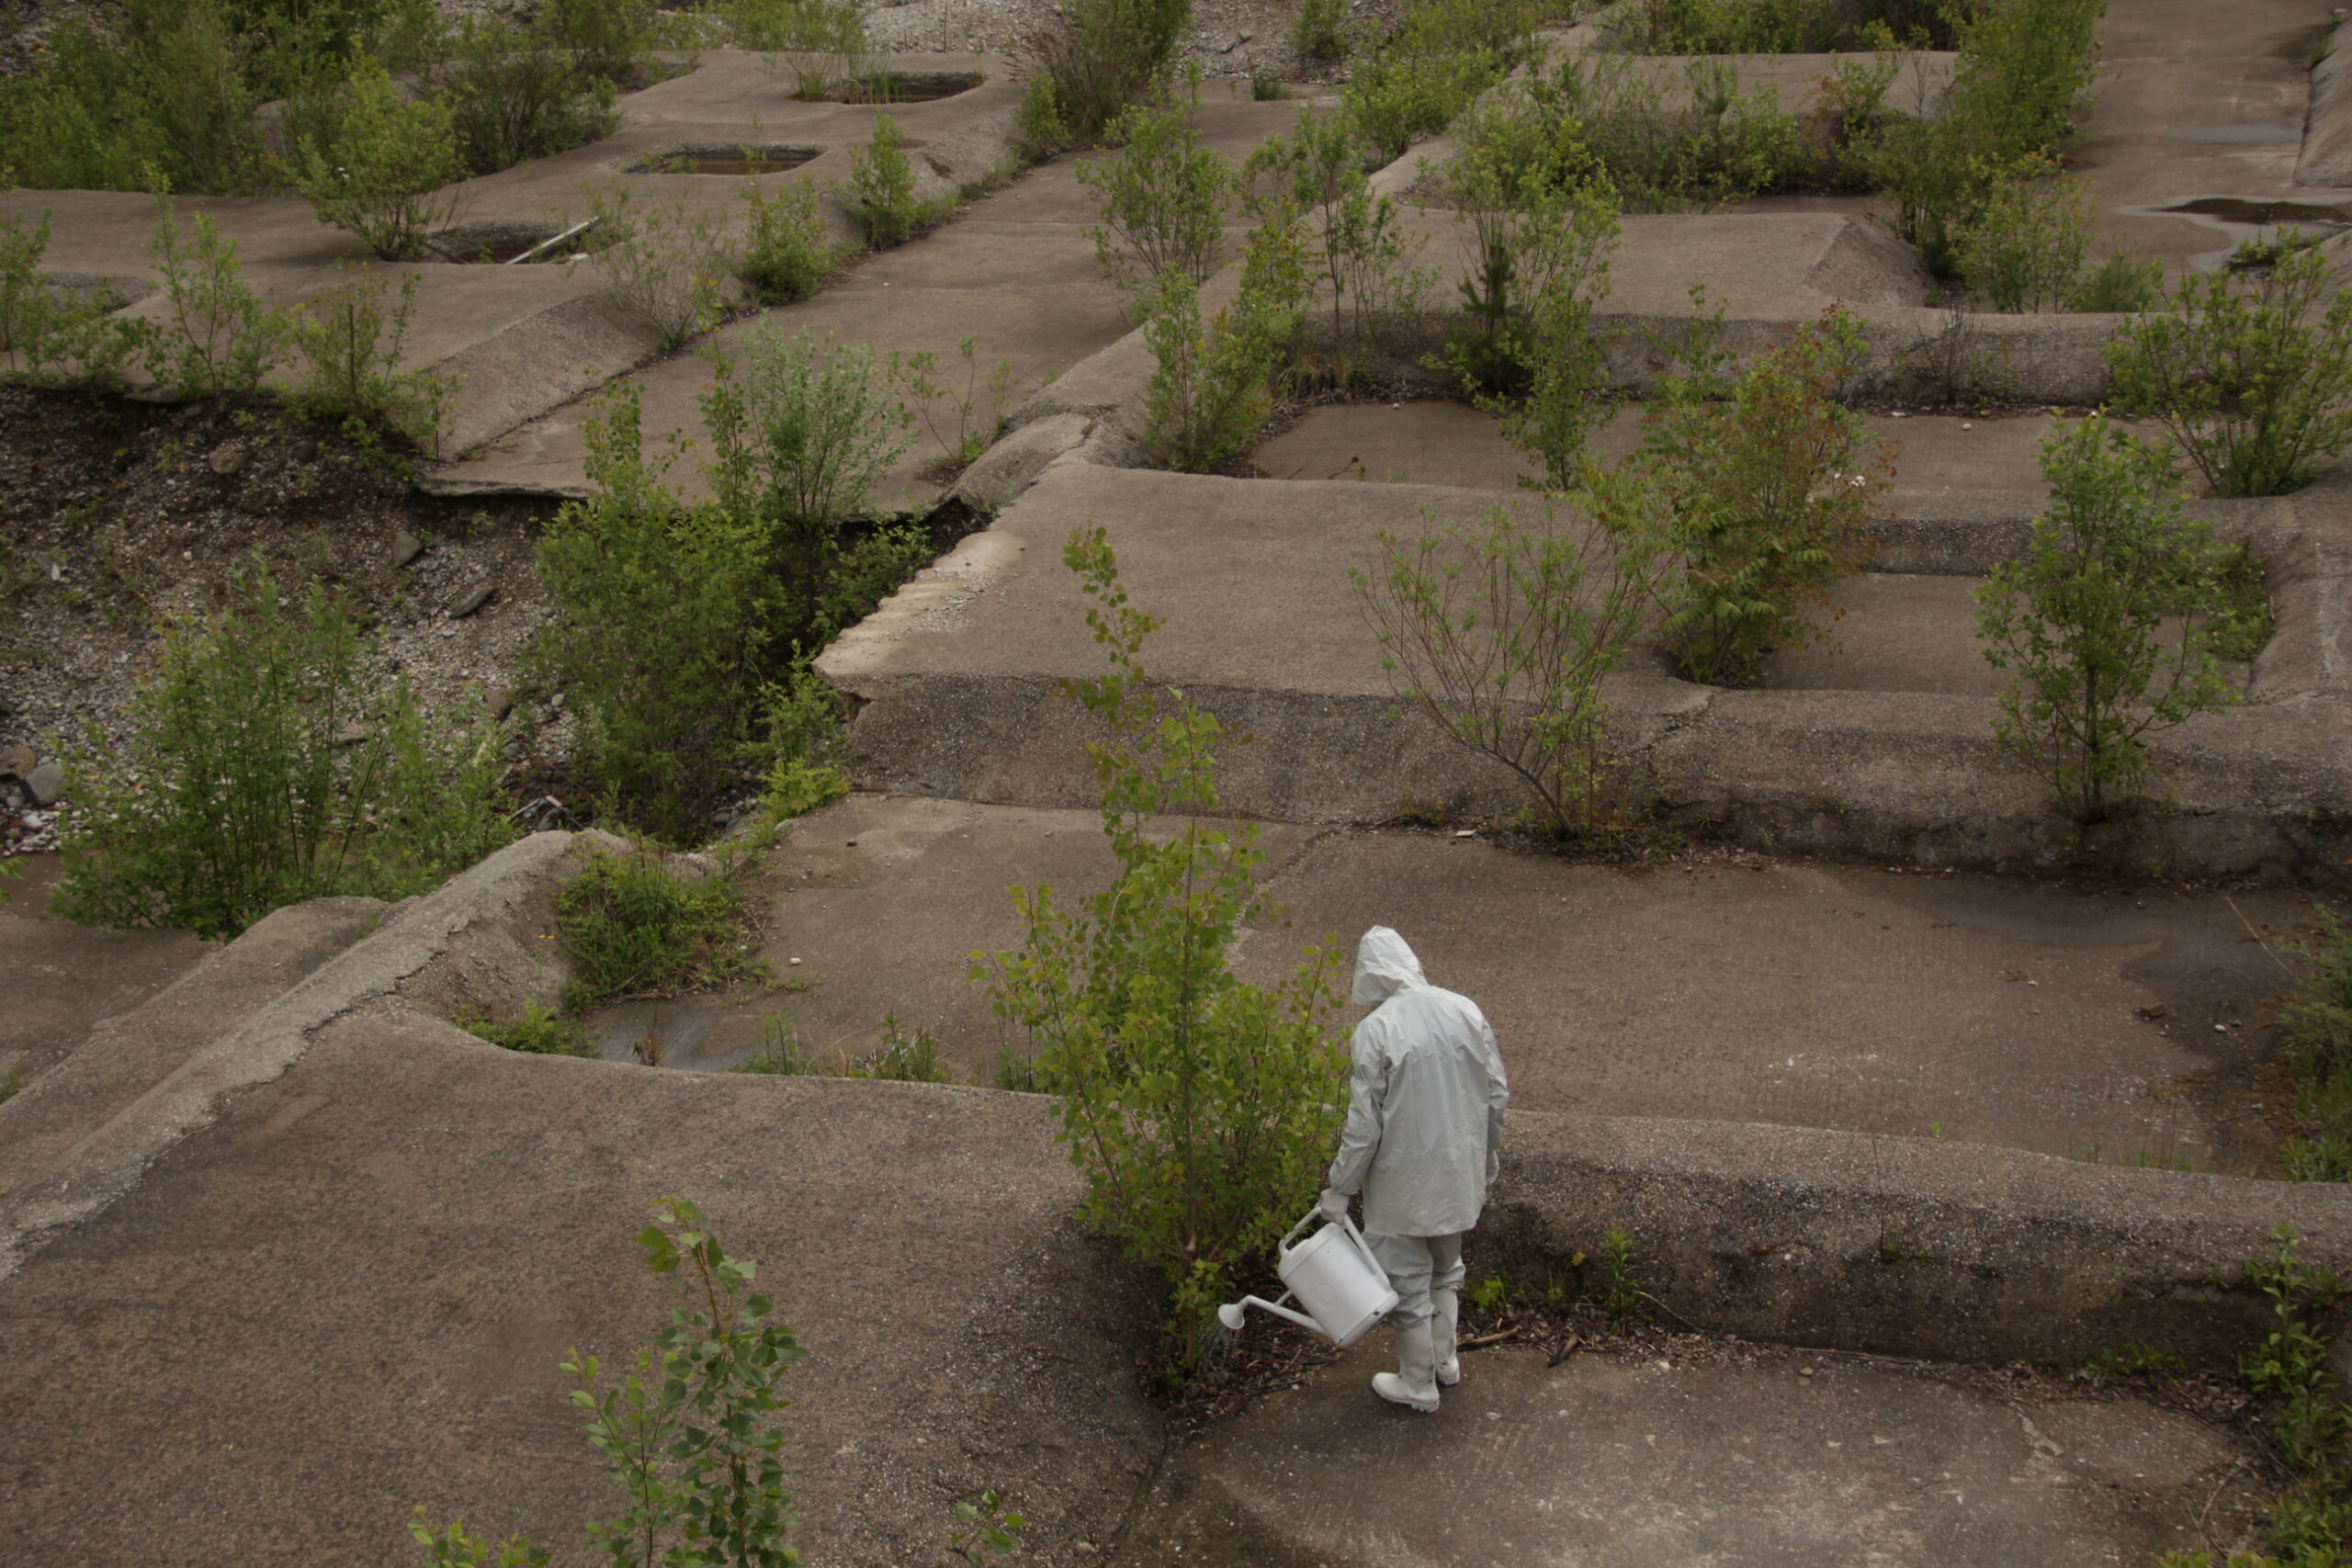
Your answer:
<point x="1896" y="1245"/>
<point x="439" y="928"/>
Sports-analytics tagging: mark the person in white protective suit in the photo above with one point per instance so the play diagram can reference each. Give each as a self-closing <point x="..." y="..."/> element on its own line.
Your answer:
<point x="1423" y="1143"/>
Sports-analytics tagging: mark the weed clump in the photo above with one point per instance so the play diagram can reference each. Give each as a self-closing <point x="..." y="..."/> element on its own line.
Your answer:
<point x="2250" y="372"/>
<point x="1200" y="1107"/>
<point x="633" y="925"/>
<point x="264" y="767"/>
<point x="537" y="1030"/>
<point x="2113" y="620"/>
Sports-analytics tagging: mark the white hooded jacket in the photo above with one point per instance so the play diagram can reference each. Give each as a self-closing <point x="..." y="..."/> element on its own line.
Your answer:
<point x="1425" y="1098"/>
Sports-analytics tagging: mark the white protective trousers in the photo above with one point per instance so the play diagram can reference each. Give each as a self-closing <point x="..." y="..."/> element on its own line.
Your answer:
<point x="1418" y="1266"/>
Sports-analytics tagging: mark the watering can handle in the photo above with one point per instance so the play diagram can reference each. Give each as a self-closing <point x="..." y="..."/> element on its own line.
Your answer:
<point x="1355" y="1236"/>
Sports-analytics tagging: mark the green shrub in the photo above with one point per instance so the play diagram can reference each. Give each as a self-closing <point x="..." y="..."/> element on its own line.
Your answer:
<point x="165" y="93"/>
<point x="262" y="768"/>
<point x="1316" y="33"/>
<point x="1208" y="395"/>
<point x="2023" y="249"/>
<point x="350" y="351"/>
<point x="1704" y="145"/>
<point x="2251" y="373"/>
<point x="690" y="1434"/>
<point x="1784" y="27"/>
<point x="903" y="1058"/>
<point x="2318" y="1018"/>
<point x="1366" y="250"/>
<point x="788" y="254"/>
<point x="2122" y="284"/>
<point x="1537" y="235"/>
<point x="513" y="96"/>
<point x="880" y="195"/>
<point x="49" y="336"/>
<point x="2022" y="78"/>
<point x="1100" y="57"/>
<point x="608" y="40"/>
<point x="541" y="1030"/>
<point x="666" y="261"/>
<point x="381" y="178"/>
<point x="217" y="339"/>
<point x="1163" y="199"/>
<point x="2109" y="621"/>
<point x="974" y="431"/>
<point x="1200" y="1107"/>
<point x="801" y="431"/>
<point x="660" y="634"/>
<point x="1502" y="636"/>
<point x="2327" y="1158"/>
<point x="1772" y="483"/>
<point x="1395" y="96"/>
<point x="799" y="27"/>
<point x="632" y="926"/>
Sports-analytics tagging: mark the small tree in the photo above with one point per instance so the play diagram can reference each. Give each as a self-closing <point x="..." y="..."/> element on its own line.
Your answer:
<point x="350" y="347"/>
<point x="1163" y="196"/>
<point x="1200" y="1108"/>
<point x="48" y="335"/>
<point x="1772" y="483"/>
<point x="881" y="190"/>
<point x="2025" y="248"/>
<point x="1366" y="250"/>
<point x="664" y="613"/>
<point x="262" y="768"/>
<point x="801" y="432"/>
<point x="788" y="254"/>
<point x="689" y="1432"/>
<point x="2251" y="373"/>
<point x="666" y="262"/>
<point x="1208" y="395"/>
<point x="1503" y="636"/>
<point x="2112" y="619"/>
<point x="219" y="339"/>
<point x="382" y="176"/>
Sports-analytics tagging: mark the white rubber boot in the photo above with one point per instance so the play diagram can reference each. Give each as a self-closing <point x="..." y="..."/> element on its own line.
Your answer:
<point x="1414" y="1384"/>
<point x="1446" y="1328"/>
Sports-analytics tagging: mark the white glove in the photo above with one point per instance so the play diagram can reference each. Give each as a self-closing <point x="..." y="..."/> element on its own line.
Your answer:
<point x="1494" y="1165"/>
<point x="1333" y="1204"/>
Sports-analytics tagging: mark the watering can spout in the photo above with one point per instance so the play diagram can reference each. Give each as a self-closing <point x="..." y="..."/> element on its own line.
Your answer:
<point x="1231" y="1314"/>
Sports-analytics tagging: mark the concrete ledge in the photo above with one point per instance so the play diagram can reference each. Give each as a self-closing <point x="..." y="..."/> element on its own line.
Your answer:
<point x="472" y="940"/>
<point x="957" y="679"/>
<point x="2326" y="155"/>
<point x="1903" y="1246"/>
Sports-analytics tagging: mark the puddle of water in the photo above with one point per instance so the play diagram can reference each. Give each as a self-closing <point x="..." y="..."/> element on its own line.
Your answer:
<point x="738" y="161"/>
<point x="2262" y="212"/>
<point x="906" y="87"/>
<point x="668" y="1031"/>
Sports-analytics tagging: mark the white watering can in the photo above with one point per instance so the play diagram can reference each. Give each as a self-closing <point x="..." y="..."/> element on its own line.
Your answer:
<point x="1333" y="1275"/>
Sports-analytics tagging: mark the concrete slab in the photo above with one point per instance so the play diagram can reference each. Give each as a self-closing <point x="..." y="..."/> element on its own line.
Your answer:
<point x="1635" y="1459"/>
<point x="123" y="1056"/>
<point x="61" y="978"/>
<point x="350" y="1295"/>
<point x="1443" y="442"/>
<point x="1892" y="632"/>
<point x="2197" y="101"/>
<point x="2014" y="1014"/>
<point x="524" y="339"/>
<point x="1016" y="273"/>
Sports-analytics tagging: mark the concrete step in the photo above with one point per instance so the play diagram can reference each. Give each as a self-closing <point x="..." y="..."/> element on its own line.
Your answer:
<point x="62" y="978"/>
<point x="125" y="1056"/>
<point x="958" y="675"/>
<point x="2017" y="1014"/>
<point x="1694" y="1452"/>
